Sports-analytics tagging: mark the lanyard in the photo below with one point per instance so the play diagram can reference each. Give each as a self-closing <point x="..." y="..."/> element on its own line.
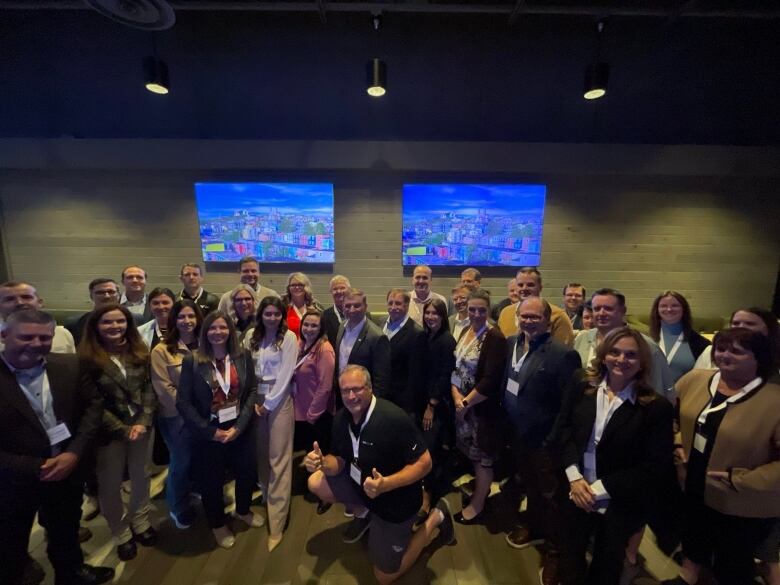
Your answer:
<point x="675" y="347"/>
<point x="356" y="440"/>
<point x="224" y="382"/>
<point x="714" y="388"/>
<point x="461" y="351"/>
<point x="338" y="315"/>
<point x="517" y="362"/>
<point x="300" y="313"/>
<point x="119" y="365"/>
<point x="390" y="333"/>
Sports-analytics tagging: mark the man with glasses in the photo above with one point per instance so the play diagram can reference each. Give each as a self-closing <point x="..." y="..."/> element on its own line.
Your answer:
<point x="538" y="373"/>
<point x="102" y="291"/>
<point x="375" y="468"/>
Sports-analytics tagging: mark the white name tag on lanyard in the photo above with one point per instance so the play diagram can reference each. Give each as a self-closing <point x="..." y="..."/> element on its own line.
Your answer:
<point x="354" y="473"/>
<point x="699" y="443"/>
<point x="228" y="413"/>
<point x="58" y="434"/>
<point x="512" y="387"/>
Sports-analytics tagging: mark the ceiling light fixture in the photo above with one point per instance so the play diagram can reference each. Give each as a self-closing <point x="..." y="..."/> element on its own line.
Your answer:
<point x="597" y="74"/>
<point x="376" y="69"/>
<point x="156" y="75"/>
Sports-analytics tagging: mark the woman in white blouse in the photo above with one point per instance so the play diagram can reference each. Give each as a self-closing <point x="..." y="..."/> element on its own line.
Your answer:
<point x="275" y="352"/>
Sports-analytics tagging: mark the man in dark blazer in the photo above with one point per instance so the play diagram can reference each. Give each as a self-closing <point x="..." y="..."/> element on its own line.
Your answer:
<point x="360" y="341"/>
<point x="539" y="372"/>
<point x="49" y="415"/>
<point x="407" y="351"/>
<point x="333" y="316"/>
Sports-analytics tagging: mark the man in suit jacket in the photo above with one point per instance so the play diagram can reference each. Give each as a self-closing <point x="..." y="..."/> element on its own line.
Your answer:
<point x="333" y="316"/>
<point x="134" y="297"/>
<point x="50" y="413"/>
<point x="538" y="373"/>
<point x="407" y="351"/>
<point x="360" y="341"/>
<point x="573" y="303"/>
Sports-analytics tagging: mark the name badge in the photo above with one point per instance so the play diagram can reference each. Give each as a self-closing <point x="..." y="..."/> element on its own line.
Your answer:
<point x="58" y="434"/>
<point x="512" y="387"/>
<point x="354" y="473"/>
<point x="455" y="380"/>
<point x="228" y="413"/>
<point x="590" y="460"/>
<point x="699" y="443"/>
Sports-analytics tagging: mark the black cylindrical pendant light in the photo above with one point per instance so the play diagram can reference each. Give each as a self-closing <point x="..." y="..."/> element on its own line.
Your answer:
<point x="596" y="78"/>
<point x="156" y="75"/>
<point x="376" y="71"/>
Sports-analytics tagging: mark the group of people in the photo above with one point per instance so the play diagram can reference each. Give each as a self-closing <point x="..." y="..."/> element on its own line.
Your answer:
<point x="609" y="430"/>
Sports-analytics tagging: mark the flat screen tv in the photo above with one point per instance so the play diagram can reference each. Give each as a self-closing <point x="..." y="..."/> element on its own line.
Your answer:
<point x="460" y="224"/>
<point x="275" y="222"/>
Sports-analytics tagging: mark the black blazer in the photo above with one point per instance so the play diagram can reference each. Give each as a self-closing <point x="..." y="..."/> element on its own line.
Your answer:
<point x="698" y="343"/>
<point x="439" y="363"/>
<point x="543" y="380"/>
<point x="330" y="323"/>
<point x="194" y="395"/>
<point x="372" y="351"/>
<point x="634" y="457"/>
<point x="407" y="351"/>
<point x="24" y="444"/>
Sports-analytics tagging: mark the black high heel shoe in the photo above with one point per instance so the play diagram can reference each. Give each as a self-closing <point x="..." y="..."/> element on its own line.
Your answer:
<point x="478" y="519"/>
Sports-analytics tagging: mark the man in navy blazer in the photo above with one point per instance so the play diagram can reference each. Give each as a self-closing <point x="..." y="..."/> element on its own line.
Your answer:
<point x="50" y="413"/>
<point x="407" y="352"/>
<point x="538" y="373"/>
<point x="360" y="341"/>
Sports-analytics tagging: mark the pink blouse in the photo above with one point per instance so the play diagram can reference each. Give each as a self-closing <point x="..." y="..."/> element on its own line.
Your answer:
<point x="313" y="390"/>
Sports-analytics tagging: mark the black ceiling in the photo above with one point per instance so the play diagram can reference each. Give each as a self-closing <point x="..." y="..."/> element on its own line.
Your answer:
<point x="683" y="77"/>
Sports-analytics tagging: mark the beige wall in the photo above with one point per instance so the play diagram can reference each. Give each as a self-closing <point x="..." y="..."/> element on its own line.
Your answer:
<point x="705" y="221"/>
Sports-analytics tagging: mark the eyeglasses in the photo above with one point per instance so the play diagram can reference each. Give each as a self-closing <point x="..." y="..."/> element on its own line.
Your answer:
<point x="296" y="285"/>
<point x="355" y="390"/>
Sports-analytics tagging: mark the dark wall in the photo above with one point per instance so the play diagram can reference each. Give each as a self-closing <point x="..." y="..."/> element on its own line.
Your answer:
<point x="451" y="77"/>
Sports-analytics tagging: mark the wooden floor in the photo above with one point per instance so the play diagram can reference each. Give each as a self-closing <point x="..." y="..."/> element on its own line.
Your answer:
<point x="312" y="553"/>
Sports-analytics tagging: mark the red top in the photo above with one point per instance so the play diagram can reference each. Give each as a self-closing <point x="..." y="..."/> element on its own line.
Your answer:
<point x="218" y="398"/>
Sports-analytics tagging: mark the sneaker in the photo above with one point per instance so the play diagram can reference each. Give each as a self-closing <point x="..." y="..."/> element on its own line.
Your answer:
<point x="548" y="572"/>
<point x="184" y="520"/>
<point x="446" y="527"/>
<point x="356" y="529"/>
<point x="348" y="514"/>
<point x="521" y="538"/>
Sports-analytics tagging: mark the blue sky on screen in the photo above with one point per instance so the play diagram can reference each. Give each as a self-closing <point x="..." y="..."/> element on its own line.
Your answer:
<point x="219" y="199"/>
<point x="426" y="200"/>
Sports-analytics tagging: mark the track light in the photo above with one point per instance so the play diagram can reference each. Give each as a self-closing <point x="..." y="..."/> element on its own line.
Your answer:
<point x="156" y="75"/>
<point x="596" y="77"/>
<point x="376" y="71"/>
<point x="597" y="73"/>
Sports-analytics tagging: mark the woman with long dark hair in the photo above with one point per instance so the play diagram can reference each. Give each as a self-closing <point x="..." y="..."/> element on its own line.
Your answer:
<point x="119" y="362"/>
<point x="216" y="396"/>
<point x="275" y="353"/>
<point x="181" y="339"/>
<point x="617" y="452"/>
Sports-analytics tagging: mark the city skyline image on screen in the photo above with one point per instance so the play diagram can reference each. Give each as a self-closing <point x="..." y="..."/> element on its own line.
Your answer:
<point x="473" y="224"/>
<point x="275" y="222"/>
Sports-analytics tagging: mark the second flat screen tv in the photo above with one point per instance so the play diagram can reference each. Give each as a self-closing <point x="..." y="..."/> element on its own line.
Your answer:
<point x="460" y="224"/>
<point x="274" y="222"/>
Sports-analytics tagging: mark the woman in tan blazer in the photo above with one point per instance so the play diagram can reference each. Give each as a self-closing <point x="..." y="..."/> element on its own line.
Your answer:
<point x="729" y="441"/>
<point x="181" y="338"/>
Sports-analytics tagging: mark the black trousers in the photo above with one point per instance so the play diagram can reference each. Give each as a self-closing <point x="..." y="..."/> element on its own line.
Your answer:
<point x="58" y="505"/>
<point x="212" y="460"/>
<point x="320" y="431"/>
<point x="610" y="531"/>
<point x="547" y="491"/>
<point x="725" y="543"/>
<point x="436" y="482"/>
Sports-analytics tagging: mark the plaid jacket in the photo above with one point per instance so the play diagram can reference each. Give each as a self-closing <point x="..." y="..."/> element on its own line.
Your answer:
<point x="127" y="400"/>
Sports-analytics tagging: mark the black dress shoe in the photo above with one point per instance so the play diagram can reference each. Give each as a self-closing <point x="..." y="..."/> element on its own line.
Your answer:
<point x="33" y="572"/>
<point x="127" y="551"/>
<point x="89" y="575"/>
<point x="84" y="534"/>
<point x="147" y="538"/>
<point x="323" y="507"/>
<point x="478" y="519"/>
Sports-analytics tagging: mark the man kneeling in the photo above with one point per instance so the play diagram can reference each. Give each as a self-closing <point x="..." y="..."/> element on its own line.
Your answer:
<point x="376" y="469"/>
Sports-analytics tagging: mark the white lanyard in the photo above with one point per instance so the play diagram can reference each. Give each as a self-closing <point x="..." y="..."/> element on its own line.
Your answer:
<point x="390" y="333"/>
<point x="517" y="363"/>
<point x="338" y="315"/>
<point x="356" y="440"/>
<point x="462" y="350"/>
<point x="119" y="365"/>
<point x="224" y="382"/>
<point x="714" y="388"/>
<point x="675" y="347"/>
<point x="300" y="313"/>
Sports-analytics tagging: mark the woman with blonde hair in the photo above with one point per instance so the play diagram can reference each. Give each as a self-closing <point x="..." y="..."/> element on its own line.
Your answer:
<point x="298" y="299"/>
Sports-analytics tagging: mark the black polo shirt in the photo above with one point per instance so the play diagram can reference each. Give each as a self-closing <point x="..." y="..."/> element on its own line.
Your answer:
<point x="390" y="441"/>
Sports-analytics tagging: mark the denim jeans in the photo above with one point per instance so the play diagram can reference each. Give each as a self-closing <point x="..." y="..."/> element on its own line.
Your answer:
<point x="177" y="486"/>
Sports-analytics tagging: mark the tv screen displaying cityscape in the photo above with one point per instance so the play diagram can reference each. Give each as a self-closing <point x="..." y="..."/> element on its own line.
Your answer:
<point x="473" y="224"/>
<point x="274" y="222"/>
